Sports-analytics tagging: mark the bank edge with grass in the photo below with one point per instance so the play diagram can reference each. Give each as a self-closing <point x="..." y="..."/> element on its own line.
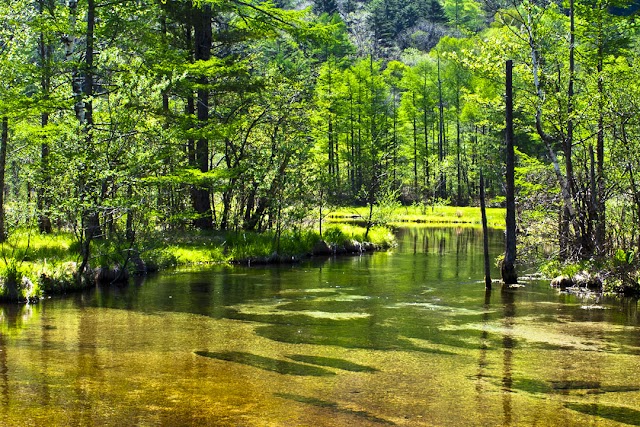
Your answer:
<point x="34" y="266"/>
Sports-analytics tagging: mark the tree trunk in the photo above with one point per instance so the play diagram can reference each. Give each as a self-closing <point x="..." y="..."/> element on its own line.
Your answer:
<point x="4" y="140"/>
<point x="43" y="202"/>
<point x="458" y="160"/>
<point x="568" y="211"/>
<point x="442" y="186"/>
<point x="203" y="40"/>
<point x="93" y="222"/>
<point x="485" y="235"/>
<point x="90" y="220"/>
<point x="600" y="233"/>
<point x="509" y="275"/>
<point x="415" y="149"/>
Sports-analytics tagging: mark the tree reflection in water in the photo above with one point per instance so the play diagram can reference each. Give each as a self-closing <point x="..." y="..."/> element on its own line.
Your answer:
<point x="508" y="343"/>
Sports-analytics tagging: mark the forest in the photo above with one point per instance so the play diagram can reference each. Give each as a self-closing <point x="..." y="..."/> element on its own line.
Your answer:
<point x="121" y="118"/>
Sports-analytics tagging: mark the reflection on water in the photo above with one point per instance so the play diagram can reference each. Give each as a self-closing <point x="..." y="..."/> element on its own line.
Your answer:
<point x="407" y="338"/>
<point x="508" y="344"/>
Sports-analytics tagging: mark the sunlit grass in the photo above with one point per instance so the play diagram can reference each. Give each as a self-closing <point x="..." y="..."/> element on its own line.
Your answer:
<point x="31" y="256"/>
<point x="28" y="245"/>
<point x="49" y="262"/>
<point x="189" y="248"/>
<point x="427" y="214"/>
<point x="339" y="233"/>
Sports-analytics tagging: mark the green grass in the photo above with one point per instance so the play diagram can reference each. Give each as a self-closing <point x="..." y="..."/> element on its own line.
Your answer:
<point x="339" y="233"/>
<point x="43" y="260"/>
<point x="50" y="262"/>
<point x="190" y="248"/>
<point x="427" y="214"/>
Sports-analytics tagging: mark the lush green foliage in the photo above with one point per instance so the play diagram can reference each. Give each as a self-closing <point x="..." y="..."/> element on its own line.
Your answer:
<point x="129" y="120"/>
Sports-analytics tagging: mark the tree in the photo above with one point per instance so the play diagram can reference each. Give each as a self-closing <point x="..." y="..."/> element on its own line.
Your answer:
<point x="13" y="42"/>
<point x="509" y="275"/>
<point x="418" y="103"/>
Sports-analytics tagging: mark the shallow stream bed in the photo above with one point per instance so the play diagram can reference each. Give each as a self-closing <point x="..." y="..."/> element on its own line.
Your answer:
<point x="407" y="337"/>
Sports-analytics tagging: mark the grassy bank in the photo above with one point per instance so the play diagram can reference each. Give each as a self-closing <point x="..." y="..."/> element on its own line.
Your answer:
<point x="446" y="215"/>
<point x="34" y="265"/>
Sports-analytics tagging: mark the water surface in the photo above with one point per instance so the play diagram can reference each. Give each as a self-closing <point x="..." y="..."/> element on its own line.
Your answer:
<point x="407" y="338"/>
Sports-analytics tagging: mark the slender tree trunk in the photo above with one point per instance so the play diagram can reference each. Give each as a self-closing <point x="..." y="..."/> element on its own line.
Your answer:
<point x="567" y="212"/>
<point x="568" y="142"/>
<point x="485" y="235"/>
<point x="441" y="137"/>
<point x="427" y="166"/>
<point x="203" y="40"/>
<point x="415" y="149"/>
<point x="43" y="202"/>
<point x="509" y="275"/>
<point x="90" y="217"/>
<point x="93" y="220"/>
<point x="129" y="231"/>
<point x="458" y="164"/>
<point x="600" y="234"/>
<point x="330" y="146"/>
<point x="4" y="140"/>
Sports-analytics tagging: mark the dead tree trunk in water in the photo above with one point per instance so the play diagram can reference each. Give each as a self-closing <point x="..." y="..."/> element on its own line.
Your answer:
<point x="509" y="275"/>
<point x="485" y="236"/>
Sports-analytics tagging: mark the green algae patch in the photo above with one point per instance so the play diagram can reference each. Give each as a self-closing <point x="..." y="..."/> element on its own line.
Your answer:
<point x="331" y="362"/>
<point x="300" y="310"/>
<point x="268" y="364"/>
<point x="334" y="407"/>
<point x="616" y="413"/>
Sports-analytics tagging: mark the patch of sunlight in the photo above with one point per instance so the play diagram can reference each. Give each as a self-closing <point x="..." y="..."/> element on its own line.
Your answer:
<point x="310" y="291"/>
<point x="344" y="298"/>
<point x="454" y="311"/>
<point x="534" y="334"/>
<point x="592" y="307"/>
<point x="275" y="310"/>
<point x="259" y="309"/>
<point x="333" y="316"/>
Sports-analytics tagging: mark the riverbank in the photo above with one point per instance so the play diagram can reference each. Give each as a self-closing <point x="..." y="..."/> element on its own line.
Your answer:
<point x="34" y="265"/>
<point x="618" y="276"/>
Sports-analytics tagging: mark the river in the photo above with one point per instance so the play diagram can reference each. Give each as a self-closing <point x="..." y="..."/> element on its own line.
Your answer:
<point x="407" y="337"/>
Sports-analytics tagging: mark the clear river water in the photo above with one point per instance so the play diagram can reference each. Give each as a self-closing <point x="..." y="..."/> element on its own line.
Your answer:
<point x="407" y="337"/>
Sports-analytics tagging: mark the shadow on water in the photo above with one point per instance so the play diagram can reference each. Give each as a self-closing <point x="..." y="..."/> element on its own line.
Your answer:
<point x="268" y="364"/>
<point x="566" y="387"/>
<point x="334" y="407"/>
<point x="4" y="373"/>
<point x="507" y="297"/>
<point x="481" y="375"/>
<point x="331" y="362"/>
<point x="616" y="413"/>
<point x="345" y="336"/>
